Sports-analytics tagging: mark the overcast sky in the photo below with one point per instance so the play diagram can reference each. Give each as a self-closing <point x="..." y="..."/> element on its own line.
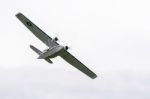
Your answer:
<point x="111" y="37"/>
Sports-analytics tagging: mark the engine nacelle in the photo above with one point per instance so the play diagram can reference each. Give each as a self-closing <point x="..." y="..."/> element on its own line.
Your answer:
<point x="55" y="39"/>
<point x="66" y="47"/>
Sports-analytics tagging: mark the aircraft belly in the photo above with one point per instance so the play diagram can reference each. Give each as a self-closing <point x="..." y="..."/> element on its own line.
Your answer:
<point x="52" y="52"/>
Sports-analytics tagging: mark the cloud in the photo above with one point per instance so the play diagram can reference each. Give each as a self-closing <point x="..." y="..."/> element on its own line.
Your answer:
<point x="43" y="82"/>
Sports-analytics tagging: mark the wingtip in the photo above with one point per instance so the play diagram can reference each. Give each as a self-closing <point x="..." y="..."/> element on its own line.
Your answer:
<point x="95" y="76"/>
<point x="19" y="14"/>
<point x="31" y="46"/>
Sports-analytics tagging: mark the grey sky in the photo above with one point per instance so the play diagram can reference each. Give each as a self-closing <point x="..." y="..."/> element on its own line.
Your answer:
<point x="111" y="37"/>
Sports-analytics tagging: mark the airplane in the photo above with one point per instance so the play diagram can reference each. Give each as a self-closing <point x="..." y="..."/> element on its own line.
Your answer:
<point x="54" y="49"/>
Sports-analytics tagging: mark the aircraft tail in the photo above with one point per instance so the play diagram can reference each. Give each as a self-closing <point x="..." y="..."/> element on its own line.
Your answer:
<point x="35" y="50"/>
<point x="40" y="52"/>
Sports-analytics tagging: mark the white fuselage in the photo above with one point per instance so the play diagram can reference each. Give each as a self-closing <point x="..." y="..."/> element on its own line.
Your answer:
<point x="52" y="52"/>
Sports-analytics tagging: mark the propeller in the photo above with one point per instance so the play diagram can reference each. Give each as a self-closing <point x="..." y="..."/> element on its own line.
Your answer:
<point x="67" y="47"/>
<point x="60" y="42"/>
<point x="56" y="37"/>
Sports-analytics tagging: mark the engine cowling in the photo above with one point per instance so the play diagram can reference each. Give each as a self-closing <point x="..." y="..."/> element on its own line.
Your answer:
<point x="66" y="47"/>
<point x="56" y="39"/>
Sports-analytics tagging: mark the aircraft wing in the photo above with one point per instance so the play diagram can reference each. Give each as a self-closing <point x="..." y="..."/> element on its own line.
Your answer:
<point x="36" y="30"/>
<point x="77" y="64"/>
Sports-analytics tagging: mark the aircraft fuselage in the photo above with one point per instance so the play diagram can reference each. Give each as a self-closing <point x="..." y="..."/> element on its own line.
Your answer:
<point x="52" y="52"/>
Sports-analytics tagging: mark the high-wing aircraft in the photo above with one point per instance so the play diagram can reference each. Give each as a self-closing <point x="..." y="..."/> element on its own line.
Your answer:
<point x="54" y="49"/>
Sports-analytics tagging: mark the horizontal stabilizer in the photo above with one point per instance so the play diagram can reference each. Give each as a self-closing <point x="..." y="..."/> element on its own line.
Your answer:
<point x="39" y="52"/>
<point x="48" y="60"/>
<point x="35" y="50"/>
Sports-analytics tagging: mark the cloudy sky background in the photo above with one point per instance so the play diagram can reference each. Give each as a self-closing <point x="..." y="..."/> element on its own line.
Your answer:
<point x="111" y="37"/>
